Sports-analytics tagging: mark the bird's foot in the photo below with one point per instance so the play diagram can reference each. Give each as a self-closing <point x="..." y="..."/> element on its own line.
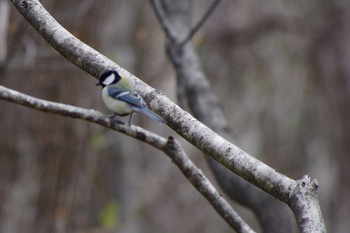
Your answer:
<point x="113" y="118"/>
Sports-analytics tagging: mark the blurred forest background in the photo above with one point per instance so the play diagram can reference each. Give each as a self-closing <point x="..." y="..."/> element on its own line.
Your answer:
<point x="281" y="69"/>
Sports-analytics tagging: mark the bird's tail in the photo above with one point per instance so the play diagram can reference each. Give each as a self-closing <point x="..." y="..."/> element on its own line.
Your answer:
<point x="152" y="115"/>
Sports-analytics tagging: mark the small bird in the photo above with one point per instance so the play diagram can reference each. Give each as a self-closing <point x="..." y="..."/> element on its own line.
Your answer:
<point x="121" y="98"/>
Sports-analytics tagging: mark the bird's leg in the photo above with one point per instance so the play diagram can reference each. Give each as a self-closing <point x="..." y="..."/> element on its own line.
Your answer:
<point x="111" y="116"/>
<point x="129" y="122"/>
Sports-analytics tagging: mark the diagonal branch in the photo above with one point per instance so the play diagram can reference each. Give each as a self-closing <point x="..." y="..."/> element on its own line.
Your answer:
<point x="200" y="23"/>
<point x="164" y="21"/>
<point x="169" y="146"/>
<point x="168" y="28"/>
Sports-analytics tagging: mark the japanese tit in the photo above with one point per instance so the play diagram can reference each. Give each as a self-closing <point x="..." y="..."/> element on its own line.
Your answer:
<point x="121" y="98"/>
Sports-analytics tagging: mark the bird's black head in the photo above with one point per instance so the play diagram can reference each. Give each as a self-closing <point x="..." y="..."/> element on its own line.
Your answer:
<point x="108" y="78"/>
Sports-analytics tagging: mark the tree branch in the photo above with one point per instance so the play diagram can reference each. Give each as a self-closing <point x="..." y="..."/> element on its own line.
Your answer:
<point x="206" y="107"/>
<point x="194" y="88"/>
<point x="200" y="23"/>
<point x="4" y="23"/>
<point x="169" y="146"/>
<point x="183" y="123"/>
<point x="164" y="22"/>
<point x="304" y="203"/>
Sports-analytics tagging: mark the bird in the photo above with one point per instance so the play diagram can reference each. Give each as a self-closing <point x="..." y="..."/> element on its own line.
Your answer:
<point x="120" y="98"/>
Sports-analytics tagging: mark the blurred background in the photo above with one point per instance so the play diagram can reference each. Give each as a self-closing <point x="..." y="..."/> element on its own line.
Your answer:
<point x="281" y="70"/>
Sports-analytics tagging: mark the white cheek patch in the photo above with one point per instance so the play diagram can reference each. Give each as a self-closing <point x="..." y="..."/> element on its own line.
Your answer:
<point x="110" y="79"/>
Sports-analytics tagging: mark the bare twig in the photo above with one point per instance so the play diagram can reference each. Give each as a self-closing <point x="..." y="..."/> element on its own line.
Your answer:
<point x="4" y="23"/>
<point x="199" y="24"/>
<point x="169" y="146"/>
<point x="164" y="22"/>
<point x="168" y="28"/>
<point x="203" y="185"/>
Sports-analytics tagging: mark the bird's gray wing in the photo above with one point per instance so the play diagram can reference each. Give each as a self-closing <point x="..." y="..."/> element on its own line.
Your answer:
<point x="126" y="96"/>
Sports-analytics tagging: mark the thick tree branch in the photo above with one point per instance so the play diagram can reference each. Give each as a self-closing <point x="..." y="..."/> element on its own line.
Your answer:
<point x="169" y="146"/>
<point x="309" y="217"/>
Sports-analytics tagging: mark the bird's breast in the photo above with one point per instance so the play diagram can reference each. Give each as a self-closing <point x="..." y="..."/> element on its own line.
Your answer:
<point x="114" y="105"/>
